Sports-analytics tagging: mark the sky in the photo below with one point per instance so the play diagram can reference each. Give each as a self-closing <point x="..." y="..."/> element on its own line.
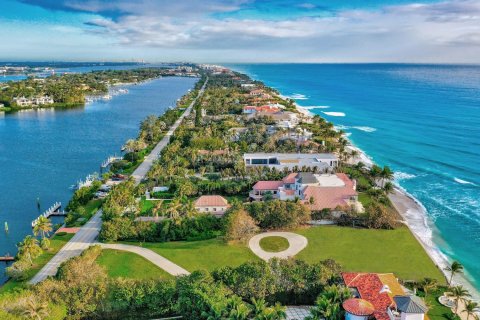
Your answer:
<point x="422" y="31"/>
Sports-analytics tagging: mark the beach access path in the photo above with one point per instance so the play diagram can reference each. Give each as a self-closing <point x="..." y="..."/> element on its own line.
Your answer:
<point x="88" y="234"/>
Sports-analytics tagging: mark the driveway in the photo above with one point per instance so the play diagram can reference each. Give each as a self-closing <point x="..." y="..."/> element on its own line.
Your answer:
<point x="297" y="243"/>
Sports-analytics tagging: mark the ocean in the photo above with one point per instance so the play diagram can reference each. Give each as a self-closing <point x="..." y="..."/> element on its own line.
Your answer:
<point x="44" y="152"/>
<point x="421" y="120"/>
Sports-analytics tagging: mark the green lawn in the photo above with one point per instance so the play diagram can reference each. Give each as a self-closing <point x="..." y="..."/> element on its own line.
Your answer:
<point x="437" y="311"/>
<point x="274" y="244"/>
<point x="129" y="265"/>
<point x="369" y="250"/>
<point x="207" y="254"/>
<point x="56" y="243"/>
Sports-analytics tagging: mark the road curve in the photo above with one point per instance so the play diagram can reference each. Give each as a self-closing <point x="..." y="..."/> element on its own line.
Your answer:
<point x="88" y="234"/>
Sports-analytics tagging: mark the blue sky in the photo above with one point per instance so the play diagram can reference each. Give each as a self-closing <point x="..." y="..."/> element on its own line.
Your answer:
<point x="241" y="30"/>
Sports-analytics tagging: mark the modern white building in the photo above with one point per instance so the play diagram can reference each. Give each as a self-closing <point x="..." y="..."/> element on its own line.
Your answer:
<point x="292" y="161"/>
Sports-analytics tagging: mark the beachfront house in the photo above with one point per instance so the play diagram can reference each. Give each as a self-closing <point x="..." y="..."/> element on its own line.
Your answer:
<point x="381" y="296"/>
<point x="317" y="191"/>
<point x="216" y="205"/>
<point x="322" y="162"/>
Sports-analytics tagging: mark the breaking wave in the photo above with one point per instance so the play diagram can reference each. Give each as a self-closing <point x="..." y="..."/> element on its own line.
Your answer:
<point x="334" y="114"/>
<point x="316" y="107"/>
<point x="463" y="181"/>
<point x="403" y="176"/>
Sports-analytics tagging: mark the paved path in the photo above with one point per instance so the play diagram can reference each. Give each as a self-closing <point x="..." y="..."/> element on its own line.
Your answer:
<point x="153" y="257"/>
<point x="297" y="243"/>
<point x="88" y="234"/>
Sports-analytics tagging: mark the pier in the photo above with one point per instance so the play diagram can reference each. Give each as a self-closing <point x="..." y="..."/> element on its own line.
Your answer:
<point x="7" y="258"/>
<point x="110" y="160"/>
<point x="52" y="211"/>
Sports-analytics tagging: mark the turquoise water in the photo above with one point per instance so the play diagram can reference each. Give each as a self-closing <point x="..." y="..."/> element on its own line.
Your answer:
<point x="422" y="120"/>
<point x="44" y="152"/>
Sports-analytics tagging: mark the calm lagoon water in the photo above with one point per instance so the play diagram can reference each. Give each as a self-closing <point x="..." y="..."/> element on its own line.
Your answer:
<point x="44" y="152"/>
<point x="421" y="120"/>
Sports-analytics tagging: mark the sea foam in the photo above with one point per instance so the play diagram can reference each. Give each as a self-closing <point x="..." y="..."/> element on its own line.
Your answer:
<point x="334" y="114"/>
<point x="316" y="107"/>
<point x="298" y="96"/>
<point x="403" y="176"/>
<point x="463" y="181"/>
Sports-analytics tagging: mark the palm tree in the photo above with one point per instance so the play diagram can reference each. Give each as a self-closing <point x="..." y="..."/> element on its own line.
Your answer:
<point x="29" y="248"/>
<point x="428" y="284"/>
<point x="388" y="187"/>
<point x="454" y="268"/>
<point x="34" y="309"/>
<point x="173" y="210"/>
<point x="43" y="227"/>
<point x="471" y="308"/>
<point x="458" y="293"/>
<point x="386" y="174"/>
<point x="158" y="207"/>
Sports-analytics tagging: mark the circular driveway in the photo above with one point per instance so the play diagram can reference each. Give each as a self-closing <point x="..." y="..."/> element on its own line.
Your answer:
<point x="297" y="243"/>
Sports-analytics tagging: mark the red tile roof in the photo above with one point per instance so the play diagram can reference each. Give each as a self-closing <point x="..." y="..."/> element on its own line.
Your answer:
<point x="267" y="185"/>
<point x="358" y="307"/>
<point x="330" y="197"/>
<point x="211" y="201"/>
<point x="290" y="178"/>
<point x="369" y="286"/>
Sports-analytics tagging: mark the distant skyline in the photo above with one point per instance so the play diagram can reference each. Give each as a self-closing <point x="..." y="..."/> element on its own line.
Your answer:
<point x="241" y="30"/>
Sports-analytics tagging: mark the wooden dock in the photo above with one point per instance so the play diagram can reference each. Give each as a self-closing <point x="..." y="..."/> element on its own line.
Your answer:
<point x="52" y="211"/>
<point x="7" y="258"/>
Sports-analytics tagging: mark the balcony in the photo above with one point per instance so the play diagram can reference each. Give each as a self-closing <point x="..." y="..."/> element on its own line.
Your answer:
<point x="393" y="314"/>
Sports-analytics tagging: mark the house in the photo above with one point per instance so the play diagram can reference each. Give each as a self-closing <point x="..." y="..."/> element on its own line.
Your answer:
<point x="291" y="161"/>
<point x="381" y="296"/>
<point x="216" y="205"/>
<point x="22" y="101"/>
<point x="317" y="191"/>
<point x="264" y="110"/>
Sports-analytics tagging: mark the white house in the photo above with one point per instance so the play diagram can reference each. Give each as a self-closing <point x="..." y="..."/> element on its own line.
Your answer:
<point x="291" y="161"/>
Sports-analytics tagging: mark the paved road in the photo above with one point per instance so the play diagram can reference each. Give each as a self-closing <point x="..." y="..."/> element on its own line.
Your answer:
<point x="297" y="243"/>
<point x="145" y="166"/>
<point x="79" y="242"/>
<point x="153" y="257"/>
<point x="88" y="234"/>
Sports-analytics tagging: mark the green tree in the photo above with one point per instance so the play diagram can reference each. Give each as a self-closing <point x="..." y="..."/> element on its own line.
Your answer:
<point x="455" y="268"/>
<point x="471" y="309"/>
<point x="29" y="249"/>
<point x="458" y="293"/>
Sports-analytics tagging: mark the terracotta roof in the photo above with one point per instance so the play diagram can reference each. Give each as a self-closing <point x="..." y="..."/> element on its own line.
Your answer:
<point x="369" y="287"/>
<point x="358" y="307"/>
<point x="211" y="201"/>
<point x="290" y="178"/>
<point x="330" y="197"/>
<point x="267" y="185"/>
<point x="289" y="192"/>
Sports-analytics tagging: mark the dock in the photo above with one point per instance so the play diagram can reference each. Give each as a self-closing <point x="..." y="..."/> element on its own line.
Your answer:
<point x="54" y="210"/>
<point x="7" y="258"/>
<point x="110" y="160"/>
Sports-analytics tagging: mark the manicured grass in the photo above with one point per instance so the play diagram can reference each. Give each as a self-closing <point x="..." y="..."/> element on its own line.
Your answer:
<point x="368" y="250"/>
<point x="364" y="199"/>
<point x="207" y="254"/>
<point x="274" y="244"/>
<point x="437" y="311"/>
<point x="56" y="243"/>
<point x="129" y="265"/>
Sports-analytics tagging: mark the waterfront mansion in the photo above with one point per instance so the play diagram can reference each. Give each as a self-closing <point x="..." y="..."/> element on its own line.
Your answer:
<point x="317" y="191"/>
<point x="322" y="162"/>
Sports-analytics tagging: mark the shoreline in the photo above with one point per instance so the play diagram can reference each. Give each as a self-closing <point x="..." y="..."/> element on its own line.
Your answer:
<point x="415" y="217"/>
